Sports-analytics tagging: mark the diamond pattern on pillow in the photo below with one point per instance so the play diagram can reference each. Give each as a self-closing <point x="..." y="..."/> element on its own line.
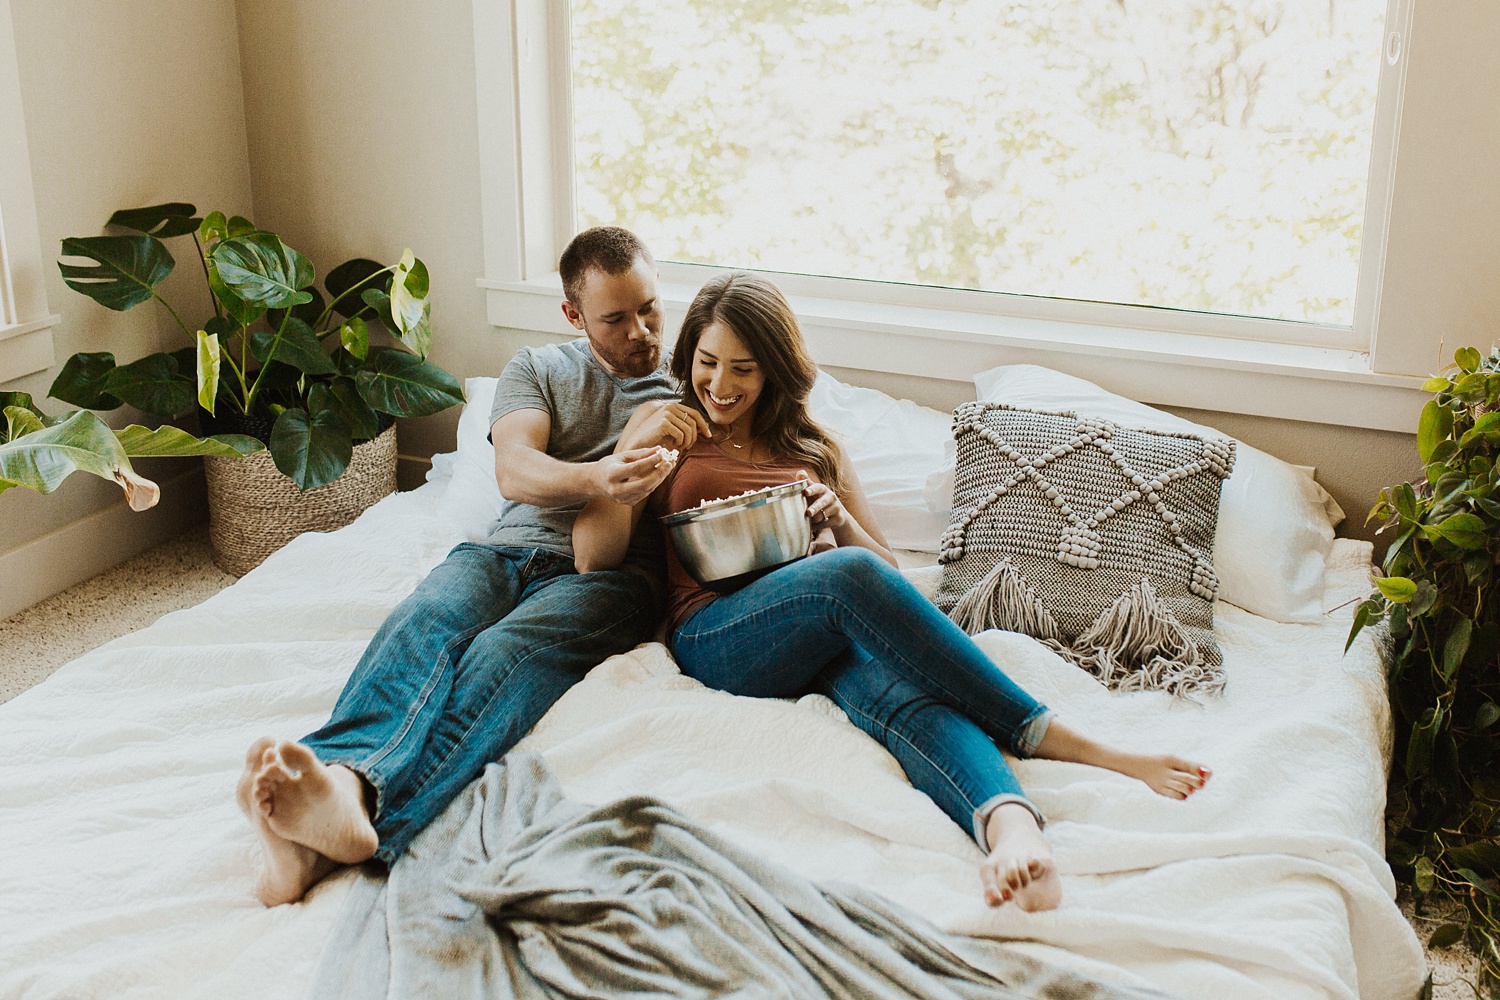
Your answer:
<point x="1093" y="538"/>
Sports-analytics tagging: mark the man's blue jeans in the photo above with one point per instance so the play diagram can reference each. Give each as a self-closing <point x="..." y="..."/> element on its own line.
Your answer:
<point x="846" y="624"/>
<point x="465" y="666"/>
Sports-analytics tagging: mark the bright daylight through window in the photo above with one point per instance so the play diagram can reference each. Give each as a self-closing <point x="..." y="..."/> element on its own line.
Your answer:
<point x="1206" y="155"/>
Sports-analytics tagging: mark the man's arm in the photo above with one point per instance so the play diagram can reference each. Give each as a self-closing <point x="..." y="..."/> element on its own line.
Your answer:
<point x="527" y="474"/>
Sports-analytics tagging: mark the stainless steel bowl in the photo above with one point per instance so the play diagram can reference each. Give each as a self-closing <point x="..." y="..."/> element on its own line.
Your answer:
<point x="727" y="543"/>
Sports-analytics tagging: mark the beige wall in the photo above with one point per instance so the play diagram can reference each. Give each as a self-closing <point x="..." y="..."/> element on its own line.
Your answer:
<point x="127" y="104"/>
<point x="354" y="123"/>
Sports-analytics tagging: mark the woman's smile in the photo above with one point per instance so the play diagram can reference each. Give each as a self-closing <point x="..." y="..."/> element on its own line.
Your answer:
<point x="726" y="377"/>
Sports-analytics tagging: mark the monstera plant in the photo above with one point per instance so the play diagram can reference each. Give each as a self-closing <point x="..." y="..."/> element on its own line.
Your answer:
<point x="308" y="372"/>
<point x="1439" y="601"/>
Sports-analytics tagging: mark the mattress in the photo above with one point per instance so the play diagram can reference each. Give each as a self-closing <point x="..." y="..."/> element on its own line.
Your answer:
<point x="126" y="869"/>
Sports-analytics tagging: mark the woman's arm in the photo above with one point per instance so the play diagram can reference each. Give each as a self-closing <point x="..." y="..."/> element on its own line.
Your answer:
<point x="602" y="530"/>
<point x="849" y="516"/>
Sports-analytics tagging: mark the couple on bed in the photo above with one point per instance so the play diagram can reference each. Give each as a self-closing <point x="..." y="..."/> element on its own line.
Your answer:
<point x="571" y="574"/>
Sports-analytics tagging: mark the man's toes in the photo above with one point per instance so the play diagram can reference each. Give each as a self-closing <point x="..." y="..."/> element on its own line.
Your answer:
<point x="298" y="758"/>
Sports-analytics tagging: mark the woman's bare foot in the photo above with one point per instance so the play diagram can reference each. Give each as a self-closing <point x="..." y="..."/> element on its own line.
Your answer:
<point x="290" y="869"/>
<point x="1165" y="774"/>
<point x="1019" y="867"/>
<point x="313" y="804"/>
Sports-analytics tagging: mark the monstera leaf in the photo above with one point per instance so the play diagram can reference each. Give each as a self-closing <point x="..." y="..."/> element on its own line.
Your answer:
<point x="81" y="382"/>
<point x="41" y="457"/>
<point x="259" y="268"/>
<point x="404" y="385"/>
<point x="409" y="306"/>
<point x="297" y="346"/>
<point x="313" y="450"/>
<point x="162" y="221"/>
<point x="126" y="272"/>
<point x="159" y="384"/>
<point x="347" y="283"/>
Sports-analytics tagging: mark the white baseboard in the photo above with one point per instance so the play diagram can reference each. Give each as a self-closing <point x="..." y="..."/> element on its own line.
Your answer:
<point x="89" y="546"/>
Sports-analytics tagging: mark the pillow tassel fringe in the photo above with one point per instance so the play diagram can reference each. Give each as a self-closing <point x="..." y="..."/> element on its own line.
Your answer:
<point x="1003" y="600"/>
<point x="1137" y="645"/>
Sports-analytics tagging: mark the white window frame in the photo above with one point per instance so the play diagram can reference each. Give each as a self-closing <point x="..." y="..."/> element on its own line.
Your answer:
<point x="25" y="324"/>
<point x="1215" y="362"/>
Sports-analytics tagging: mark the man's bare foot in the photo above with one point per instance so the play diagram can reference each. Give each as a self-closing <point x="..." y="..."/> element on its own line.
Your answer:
<point x="290" y="869"/>
<point x="1019" y="867"/>
<point x="314" y="804"/>
<point x="254" y="761"/>
<point x="1165" y="774"/>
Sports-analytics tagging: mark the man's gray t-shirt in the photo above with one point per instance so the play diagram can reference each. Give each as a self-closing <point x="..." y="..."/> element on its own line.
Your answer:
<point x="589" y="408"/>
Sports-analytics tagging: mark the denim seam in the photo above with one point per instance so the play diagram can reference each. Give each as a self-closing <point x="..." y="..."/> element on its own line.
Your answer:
<point x="444" y="658"/>
<point x="989" y="805"/>
<point x="498" y="686"/>
<point x="946" y="694"/>
<point x="918" y="750"/>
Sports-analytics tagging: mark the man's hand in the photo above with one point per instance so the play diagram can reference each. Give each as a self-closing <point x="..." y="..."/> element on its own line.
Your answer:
<point x="628" y="477"/>
<point x="670" y="425"/>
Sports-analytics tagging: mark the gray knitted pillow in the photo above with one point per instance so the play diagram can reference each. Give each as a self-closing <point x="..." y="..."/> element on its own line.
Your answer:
<point x="1095" y="539"/>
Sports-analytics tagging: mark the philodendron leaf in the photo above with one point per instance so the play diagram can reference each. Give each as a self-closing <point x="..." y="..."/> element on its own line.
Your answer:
<point x="162" y="221"/>
<point x="1464" y="529"/>
<point x="404" y="385"/>
<point x="1433" y="427"/>
<point x="81" y="382"/>
<point x="1445" y="936"/>
<point x="1396" y="589"/>
<point x="208" y="369"/>
<point x="1426" y="875"/>
<point x="1437" y="383"/>
<point x="354" y="337"/>
<point x="41" y="460"/>
<point x="297" y="346"/>
<point x="348" y="282"/>
<point x="1456" y="645"/>
<point x="345" y="400"/>
<point x="409" y="306"/>
<point x="1467" y="358"/>
<point x="312" y="451"/>
<point x="174" y="442"/>
<point x="20" y="421"/>
<point x="155" y="384"/>
<point x="127" y="269"/>
<point x="259" y="268"/>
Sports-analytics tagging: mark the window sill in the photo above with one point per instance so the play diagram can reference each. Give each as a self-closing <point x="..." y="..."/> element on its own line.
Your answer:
<point x="1314" y="384"/>
<point x="26" y="348"/>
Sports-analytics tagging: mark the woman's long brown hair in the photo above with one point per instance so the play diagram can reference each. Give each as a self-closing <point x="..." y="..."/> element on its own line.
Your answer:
<point x="759" y="315"/>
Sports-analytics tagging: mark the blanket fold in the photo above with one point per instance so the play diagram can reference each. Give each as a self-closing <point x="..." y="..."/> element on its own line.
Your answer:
<point x="517" y="891"/>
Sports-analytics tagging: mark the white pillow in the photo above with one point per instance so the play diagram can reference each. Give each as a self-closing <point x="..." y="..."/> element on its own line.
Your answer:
<point x="895" y="446"/>
<point x="472" y="500"/>
<point x="1275" y="522"/>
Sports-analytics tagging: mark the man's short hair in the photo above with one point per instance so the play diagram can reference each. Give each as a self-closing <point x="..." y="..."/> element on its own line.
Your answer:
<point x="606" y="248"/>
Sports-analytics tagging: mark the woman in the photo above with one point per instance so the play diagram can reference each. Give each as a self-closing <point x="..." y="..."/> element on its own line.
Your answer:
<point x="843" y="621"/>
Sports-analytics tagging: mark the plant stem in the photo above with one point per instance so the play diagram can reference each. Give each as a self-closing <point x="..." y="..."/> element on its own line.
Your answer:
<point x="203" y="261"/>
<point x="174" y="314"/>
<point x="329" y="308"/>
<point x="270" y="354"/>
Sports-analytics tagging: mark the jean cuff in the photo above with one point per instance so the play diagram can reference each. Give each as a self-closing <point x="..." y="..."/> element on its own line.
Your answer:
<point x="1032" y="731"/>
<point x="982" y="815"/>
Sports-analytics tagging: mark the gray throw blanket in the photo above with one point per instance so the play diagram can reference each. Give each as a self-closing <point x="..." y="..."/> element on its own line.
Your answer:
<point x="516" y="891"/>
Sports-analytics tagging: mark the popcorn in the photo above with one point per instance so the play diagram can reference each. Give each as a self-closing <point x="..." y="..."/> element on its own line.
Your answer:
<point x="665" y="455"/>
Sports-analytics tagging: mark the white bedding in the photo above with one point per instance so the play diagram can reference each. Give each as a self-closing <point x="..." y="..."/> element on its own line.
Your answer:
<point x="126" y="869"/>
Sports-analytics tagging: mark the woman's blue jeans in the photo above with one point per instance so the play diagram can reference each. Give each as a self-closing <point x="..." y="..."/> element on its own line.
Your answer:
<point x="465" y="666"/>
<point x="846" y="624"/>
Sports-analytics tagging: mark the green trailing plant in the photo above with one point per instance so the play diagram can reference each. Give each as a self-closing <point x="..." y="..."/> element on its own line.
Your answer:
<point x="1439" y="602"/>
<point x="38" y="452"/>
<point x="309" y="372"/>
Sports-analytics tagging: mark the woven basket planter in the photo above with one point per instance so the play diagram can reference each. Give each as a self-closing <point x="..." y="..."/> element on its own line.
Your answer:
<point x="253" y="509"/>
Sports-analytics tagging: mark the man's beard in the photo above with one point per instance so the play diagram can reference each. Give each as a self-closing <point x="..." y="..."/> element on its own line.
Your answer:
<point x="633" y="364"/>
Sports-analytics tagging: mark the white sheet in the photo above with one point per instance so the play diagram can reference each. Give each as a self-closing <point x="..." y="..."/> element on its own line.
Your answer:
<point x="126" y="869"/>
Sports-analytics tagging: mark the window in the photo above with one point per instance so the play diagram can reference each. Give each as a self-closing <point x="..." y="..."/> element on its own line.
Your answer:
<point x="25" y="326"/>
<point x="551" y="126"/>
<point x="1207" y="155"/>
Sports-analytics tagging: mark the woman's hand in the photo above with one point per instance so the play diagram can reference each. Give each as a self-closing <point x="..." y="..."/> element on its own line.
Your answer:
<point x="824" y="508"/>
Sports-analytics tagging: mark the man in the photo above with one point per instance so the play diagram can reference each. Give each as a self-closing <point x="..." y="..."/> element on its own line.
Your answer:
<point x="466" y="665"/>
